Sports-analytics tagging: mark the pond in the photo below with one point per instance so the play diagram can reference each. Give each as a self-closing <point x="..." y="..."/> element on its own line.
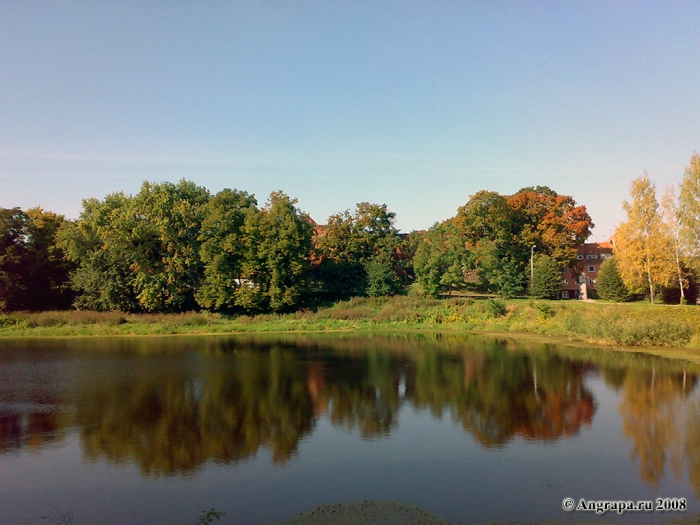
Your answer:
<point x="472" y="428"/>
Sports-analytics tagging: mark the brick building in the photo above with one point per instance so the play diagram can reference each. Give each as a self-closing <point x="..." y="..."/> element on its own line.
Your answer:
<point x="580" y="282"/>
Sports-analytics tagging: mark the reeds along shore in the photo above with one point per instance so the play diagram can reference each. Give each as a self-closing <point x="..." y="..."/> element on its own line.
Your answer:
<point x="636" y="324"/>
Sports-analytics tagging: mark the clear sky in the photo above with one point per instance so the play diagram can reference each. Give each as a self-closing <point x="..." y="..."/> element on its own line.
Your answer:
<point x="416" y="104"/>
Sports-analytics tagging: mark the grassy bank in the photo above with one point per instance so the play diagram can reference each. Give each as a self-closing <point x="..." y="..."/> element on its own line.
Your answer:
<point x="615" y="324"/>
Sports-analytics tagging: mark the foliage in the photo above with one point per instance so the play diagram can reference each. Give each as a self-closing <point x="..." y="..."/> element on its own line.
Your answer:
<point x="673" y="223"/>
<point x="98" y="244"/>
<point x="689" y="207"/>
<point x="609" y="284"/>
<point x="166" y="244"/>
<point x="13" y="224"/>
<point x="642" y="242"/>
<point x="546" y="279"/>
<point x="225" y="249"/>
<point x="347" y="243"/>
<point x="441" y="259"/>
<point x="497" y="270"/>
<point x="554" y="223"/>
<point x="34" y="272"/>
<point x="381" y="276"/>
<point x="280" y="239"/>
<point x="208" y="516"/>
<point x="500" y="231"/>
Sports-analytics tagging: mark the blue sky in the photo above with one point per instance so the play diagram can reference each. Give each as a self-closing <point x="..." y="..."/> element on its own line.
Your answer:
<point x="415" y="104"/>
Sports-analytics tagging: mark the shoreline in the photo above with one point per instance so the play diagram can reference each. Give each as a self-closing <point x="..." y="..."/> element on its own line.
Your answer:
<point x="651" y="329"/>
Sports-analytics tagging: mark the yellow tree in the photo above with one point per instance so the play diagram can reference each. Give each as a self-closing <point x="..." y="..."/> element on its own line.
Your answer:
<point x="689" y="207"/>
<point x="672" y="220"/>
<point x="642" y="243"/>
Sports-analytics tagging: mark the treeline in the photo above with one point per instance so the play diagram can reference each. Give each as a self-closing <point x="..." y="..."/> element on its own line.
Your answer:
<point x="176" y="247"/>
<point x="657" y="249"/>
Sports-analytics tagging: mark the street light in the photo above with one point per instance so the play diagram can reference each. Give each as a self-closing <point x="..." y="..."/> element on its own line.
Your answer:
<point x="532" y="266"/>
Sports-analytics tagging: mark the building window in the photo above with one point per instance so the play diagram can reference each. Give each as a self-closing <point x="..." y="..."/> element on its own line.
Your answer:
<point x="591" y="269"/>
<point x="591" y="281"/>
<point x="594" y="256"/>
<point x="564" y="281"/>
<point x="580" y="257"/>
<point x="565" y="294"/>
<point x="605" y="255"/>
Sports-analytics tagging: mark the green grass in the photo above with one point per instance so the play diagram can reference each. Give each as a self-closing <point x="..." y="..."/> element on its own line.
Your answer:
<point x="636" y="324"/>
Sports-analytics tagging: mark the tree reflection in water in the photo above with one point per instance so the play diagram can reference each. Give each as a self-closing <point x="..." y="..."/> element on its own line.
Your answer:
<point x="173" y="405"/>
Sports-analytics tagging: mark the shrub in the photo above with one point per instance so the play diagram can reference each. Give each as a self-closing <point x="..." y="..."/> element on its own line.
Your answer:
<point x="495" y="307"/>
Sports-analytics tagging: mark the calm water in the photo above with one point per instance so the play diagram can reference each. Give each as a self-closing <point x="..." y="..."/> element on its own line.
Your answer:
<point x="154" y="430"/>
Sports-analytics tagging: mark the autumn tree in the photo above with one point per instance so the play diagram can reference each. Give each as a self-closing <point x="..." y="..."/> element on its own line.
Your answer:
<point x="673" y="224"/>
<point x="500" y="231"/>
<point x="642" y="242"/>
<point x="689" y="208"/>
<point x="552" y="222"/>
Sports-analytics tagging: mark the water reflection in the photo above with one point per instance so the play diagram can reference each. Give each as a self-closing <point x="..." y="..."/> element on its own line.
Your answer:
<point x="662" y="423"/>
<point x="171" y="405"/>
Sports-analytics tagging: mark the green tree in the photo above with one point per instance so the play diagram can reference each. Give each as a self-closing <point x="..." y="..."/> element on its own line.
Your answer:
<point x="642" y="243"/>
<point x="346" y="244"/>
<point x="47" y="271"/>
<point x="99" y="244"/>
<point x="225" y="249"/>
<point x="381" y="276"/>
<point x="440" y="259"/>
<point x="13" y="224"/>
<point x="546" y="278"/>
<point x="279" y="240"/>
<point x="34" y="273"/>
<point x="501" y="273"/>
<point x="166" y="242"/>
<point x="609" y="284"/>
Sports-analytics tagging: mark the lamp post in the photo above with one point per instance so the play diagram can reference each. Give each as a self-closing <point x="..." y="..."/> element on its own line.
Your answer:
<point x="532" y="265"/>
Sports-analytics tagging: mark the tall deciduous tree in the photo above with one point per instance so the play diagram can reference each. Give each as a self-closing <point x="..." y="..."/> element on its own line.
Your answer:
<point x="225" y="249"/>
<point x="689" y="207"/>
<point x="672" y="221"/>
<point x="99" y="243"/>
<point x="13" y="224"/>
<point x="33" y="270"/>
<point x="47" y="270"/>
<point x="166" y="239"/>
<point x="279" y="238"/>
<point x="441" y="259"/>
<point x="346" y="244"/>
<point x="642" y="242"/>
<point x="501" y="230"/>
<point x="554" y="223"/>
